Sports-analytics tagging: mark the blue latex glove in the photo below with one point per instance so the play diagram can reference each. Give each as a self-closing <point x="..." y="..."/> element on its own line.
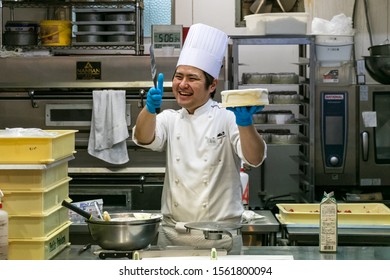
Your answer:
<point x="244" y="115"/>
<point x="154" y="96"/>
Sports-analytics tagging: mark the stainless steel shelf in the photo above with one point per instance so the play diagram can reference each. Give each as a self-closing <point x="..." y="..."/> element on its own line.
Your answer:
<point x="304" y="111"/>
<point x="80" y="6"/>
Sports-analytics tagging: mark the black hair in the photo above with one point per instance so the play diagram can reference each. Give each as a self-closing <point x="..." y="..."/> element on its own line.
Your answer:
<point x="209" y="81"/>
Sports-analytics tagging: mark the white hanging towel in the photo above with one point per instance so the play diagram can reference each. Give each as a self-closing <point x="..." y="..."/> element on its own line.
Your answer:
<point x="107" y="139"/>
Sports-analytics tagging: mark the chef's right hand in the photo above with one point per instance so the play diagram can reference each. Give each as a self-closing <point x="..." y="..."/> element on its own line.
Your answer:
<point x="154" y="96"/>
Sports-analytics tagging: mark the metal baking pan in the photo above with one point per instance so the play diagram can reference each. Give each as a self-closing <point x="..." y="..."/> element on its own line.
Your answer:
<point x="348" y="213"/>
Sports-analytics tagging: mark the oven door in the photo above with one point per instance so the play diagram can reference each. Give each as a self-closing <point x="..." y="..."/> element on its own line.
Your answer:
<point x="374" y="114"/>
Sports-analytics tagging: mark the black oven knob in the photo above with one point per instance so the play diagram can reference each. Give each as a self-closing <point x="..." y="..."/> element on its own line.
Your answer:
<point x="334" y="160"/>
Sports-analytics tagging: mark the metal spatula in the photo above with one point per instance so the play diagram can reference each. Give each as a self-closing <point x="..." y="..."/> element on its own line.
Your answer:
<point x="153" y="70"/>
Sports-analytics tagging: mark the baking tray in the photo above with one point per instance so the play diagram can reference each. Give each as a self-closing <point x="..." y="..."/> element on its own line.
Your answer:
<point x="348" y="213"/>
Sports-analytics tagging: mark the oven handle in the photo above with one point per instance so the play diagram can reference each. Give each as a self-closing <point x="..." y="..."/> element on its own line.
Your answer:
<point x="365" y="143"/>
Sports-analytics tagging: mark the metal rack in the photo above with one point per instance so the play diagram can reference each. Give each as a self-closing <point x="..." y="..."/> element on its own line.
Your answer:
<point x="135" y="46"/>
<point x="304" y="158"/>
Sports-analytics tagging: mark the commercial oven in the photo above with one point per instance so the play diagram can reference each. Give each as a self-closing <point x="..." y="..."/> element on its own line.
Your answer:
<point x="374" y="135"/>
<point x="352" y="139"/>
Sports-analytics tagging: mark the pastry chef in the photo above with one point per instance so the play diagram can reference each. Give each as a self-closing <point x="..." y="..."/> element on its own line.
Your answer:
<point x="204" y="143"/>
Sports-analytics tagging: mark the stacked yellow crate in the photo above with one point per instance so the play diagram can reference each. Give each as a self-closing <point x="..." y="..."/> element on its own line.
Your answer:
<point x="34" y="179"/>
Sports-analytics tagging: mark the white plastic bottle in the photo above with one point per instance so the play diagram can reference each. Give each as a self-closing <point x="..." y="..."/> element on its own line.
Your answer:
<point x="245" y="187"/>
<point x="3" y="231"/>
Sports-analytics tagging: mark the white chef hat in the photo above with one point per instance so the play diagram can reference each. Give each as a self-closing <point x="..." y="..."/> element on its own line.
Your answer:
<point x="204" y="48"/>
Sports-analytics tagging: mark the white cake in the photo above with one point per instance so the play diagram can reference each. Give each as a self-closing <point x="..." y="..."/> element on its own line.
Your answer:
<point x="244" y="97"/>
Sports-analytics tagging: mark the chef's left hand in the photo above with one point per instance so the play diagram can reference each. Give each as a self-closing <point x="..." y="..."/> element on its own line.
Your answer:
<point x="244" y="115"/>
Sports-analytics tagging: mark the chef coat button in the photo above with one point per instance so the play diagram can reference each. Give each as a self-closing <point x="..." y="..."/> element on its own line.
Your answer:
<point x="177" y="158"/>
<point x="205" y="182"/>
<point x="204" y="205"/>
<point x="177" y="181"/>
<point x="176" y="204"/>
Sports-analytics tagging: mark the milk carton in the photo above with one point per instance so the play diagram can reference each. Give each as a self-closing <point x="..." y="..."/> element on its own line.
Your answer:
<point x="328" y="223"/>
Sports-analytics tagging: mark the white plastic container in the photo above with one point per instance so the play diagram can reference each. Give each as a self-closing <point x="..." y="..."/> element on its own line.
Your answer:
<point x="333" y="48"/>
<point x="286" y="23"/>
<point x="255" y="24"/>
<point x="3" y="231"/>
<point x="276" y="23"/>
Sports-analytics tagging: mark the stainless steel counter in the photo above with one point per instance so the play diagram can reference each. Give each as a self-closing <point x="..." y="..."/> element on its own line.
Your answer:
<point x="261" y="231"/>
<point x="258" y="232"/>
<point x="296" y="252"/>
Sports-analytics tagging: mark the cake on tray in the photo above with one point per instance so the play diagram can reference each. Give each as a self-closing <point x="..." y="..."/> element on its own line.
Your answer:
<point x="244" y="97"/>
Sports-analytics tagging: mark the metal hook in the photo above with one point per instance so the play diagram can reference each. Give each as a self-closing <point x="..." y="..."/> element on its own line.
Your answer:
<point x="142" y="181"/>
<point x="33" y="103"/>
<point x="141" y="102"/>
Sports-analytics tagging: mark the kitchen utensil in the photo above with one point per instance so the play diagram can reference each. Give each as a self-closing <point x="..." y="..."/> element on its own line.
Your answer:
<point x="153" y="70"/>
<point x="90" y="16"/>
<point x="91" y="38"/>
<point x="289" y="138"/>
<point x="285" y="78"/>
<point x="260" y="117"/>
<point x="90" y="28"/>
<point x="21" y="33"/>
<point x="266" y="137"/>
<point x="280" y="117"/>
<point x="383" y="49"/>
<point x="284" y="97"/>
<point x="378" y="66"/>
<point x="213" y="227"/>
<point x="20" y="38"/>
<point x="256" y="78"/>
<point x="119" y="17"/>
<point x="120" y="27"/>
<point x="214" y="230"/>
<point x="125" y="232"/>
<point x="98" y="209"/>
<point x="78" y="210"/>
<point x="120" y="38"/>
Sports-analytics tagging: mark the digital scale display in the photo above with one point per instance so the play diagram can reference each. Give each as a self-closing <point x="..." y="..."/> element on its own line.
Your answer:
<point x="167" y="35"/>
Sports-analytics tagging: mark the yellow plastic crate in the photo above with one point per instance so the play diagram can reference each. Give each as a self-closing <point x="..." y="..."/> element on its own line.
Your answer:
<point x="30" y="177"/>
<point x="35" y="202"/>
<point x="43" y="248"/>
<point x="38" y="149"/>
<point x="35" y="226"/>
<point x="348" y="213"/>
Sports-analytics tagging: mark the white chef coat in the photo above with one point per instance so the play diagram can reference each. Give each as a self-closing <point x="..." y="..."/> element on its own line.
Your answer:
<point x="202" y="180"/>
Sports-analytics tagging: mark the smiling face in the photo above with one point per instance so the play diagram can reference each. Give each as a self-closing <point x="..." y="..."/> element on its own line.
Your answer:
<point x="190" y="89"/>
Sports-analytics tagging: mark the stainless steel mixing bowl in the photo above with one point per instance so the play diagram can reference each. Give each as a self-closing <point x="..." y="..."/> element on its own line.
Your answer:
<point x="378" y="66"/>
<point x="383" y="49"/>
<point x="124" y="232"/>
